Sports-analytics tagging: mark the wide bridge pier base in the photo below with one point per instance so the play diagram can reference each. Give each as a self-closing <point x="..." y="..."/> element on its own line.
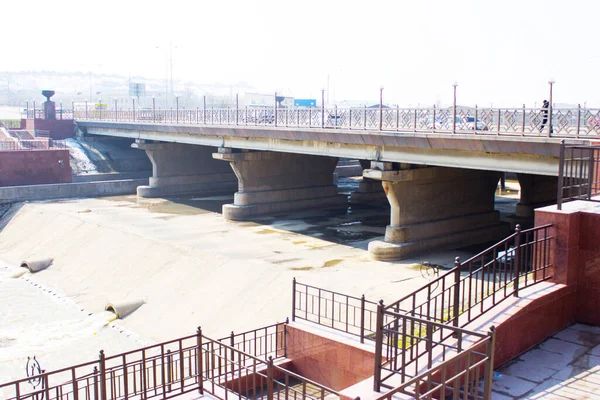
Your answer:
<point x="184" y="169"/>
<point x="270" y="182"/>
<point x="436" y="208"/>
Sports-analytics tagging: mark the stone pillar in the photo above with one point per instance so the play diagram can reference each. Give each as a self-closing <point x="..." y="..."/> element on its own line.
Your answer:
<point x="536" y="191"/>
<point x="270" y="182"/>
<point x="370" y="191"/>
<point x="435" y="208"/>
<point x="183" y="169"/>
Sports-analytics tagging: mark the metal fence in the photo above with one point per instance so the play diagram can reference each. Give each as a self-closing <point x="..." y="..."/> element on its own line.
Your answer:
<point x="408" y="346"/>
<point x="456" y="378"/>
<point x="578" y="174"/>
<point x="536" y="122"/>
<point x="60" y="113"/>
<point x="265" y="342"/>
<point x="353" y="315"/>
<point x="25" y="145"/>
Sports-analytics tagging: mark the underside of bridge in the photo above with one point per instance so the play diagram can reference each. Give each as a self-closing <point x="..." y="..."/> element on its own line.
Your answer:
<point x="270" y="182"/>
<point x="435" y="208"/>
<point x="184" y="169"/>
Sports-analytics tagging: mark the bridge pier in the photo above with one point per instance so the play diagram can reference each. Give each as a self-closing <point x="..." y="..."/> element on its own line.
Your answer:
<point x="536" y="191"/>
<point x="271" y="182"/>
<point x="436" y="208"/>
<point x="183" y="169"/>
<point x="370" y="191"/>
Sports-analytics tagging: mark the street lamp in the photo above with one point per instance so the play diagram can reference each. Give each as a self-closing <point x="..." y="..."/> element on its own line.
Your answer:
<point x="551" y="82"/>
<point x="454" y="85"/>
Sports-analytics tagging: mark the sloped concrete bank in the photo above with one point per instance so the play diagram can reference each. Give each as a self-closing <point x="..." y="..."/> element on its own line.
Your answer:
<point x="11" y="194"/>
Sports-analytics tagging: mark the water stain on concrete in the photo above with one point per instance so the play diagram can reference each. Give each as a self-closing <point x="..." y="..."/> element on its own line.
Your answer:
<point x="301" y="268"/>
<point x="331" y="263"/>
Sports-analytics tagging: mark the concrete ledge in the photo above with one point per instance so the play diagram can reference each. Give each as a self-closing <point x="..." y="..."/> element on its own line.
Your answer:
<point x="111" y="176"/>
<point x="284" y="195"/>
<point x="241" y="213"/>
<point x="386" y="251"/>
<point x="11" y="194"/>
<point x="200" y="188"/>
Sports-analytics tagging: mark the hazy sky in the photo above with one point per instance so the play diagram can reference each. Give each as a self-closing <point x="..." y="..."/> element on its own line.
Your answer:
<point x="500" y="52"/>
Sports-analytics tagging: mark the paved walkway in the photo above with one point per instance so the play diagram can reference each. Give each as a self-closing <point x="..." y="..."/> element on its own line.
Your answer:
<point x="566" y="366"/>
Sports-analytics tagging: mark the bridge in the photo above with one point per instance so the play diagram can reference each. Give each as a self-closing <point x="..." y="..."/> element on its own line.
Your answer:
<point x="438" y="168"/>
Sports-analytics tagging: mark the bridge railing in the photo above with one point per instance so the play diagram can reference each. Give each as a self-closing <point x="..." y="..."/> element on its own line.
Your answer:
<point x="536" y="122"/>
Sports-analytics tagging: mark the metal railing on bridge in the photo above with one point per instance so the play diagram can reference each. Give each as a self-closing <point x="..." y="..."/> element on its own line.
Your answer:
<point x="535" y="122"/>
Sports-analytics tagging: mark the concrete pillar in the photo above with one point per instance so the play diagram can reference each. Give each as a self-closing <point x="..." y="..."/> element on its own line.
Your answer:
<point x="536" y="191"/>
<point x="184" y="169"/>
<point x="370" y="191"/>
<point x="435" y="208"/>
<point x="270" y="182"/>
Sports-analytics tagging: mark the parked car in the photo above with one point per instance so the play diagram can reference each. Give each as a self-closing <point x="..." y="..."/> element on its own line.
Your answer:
<point x="462" y="124"/>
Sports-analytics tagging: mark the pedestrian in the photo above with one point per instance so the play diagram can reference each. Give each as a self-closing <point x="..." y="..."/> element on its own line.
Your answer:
<point x="545" y="111"/>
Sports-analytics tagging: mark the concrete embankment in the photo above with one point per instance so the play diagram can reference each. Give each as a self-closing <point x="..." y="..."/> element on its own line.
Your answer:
<point x="11" y="194"/>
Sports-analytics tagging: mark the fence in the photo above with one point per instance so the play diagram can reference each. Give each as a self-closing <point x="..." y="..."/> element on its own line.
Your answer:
<point x="568" y="122"/>
<point x="265" y="342"/>
<point x="167" y="370"/>
<point x="21" y="145"/>
<point x="453" y="299"/>
<point x="456" y="378"/>
<point x="60" y="114"/>
<point x="349" y="314"/>
<point x="579" y="173"/>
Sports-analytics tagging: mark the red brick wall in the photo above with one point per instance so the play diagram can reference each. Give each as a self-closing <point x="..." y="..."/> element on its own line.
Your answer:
<point x="31" y="167"/>
<point x="575" y="255"/>
<point x="59" y="129"/>
<point x="329" y="362"/>
<point x="588" y="273"/>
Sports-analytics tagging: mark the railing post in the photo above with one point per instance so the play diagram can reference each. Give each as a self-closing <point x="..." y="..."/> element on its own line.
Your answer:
<point x="86" y="110"/>
<point x="102" y="375"/>
<point x="95" y="373"/>
<point x="270" y="379"/>
<point x="199" y="366"/>
<point x="499" y="117"/>
<point x="381" y="108"/>
<point x="153" y="109"/>
<point x="176" y="109"/>
<point x="561" y="168"/>
<point x="133" y="108"/>
<point x="517" y="259"/>
<point x="100" y="105"/>
<point x="455" y="306"/>
<point x="61" y="110"/>
<point x="378" y="347"/>
<point x="323" y="108"/>
<point x="335" y="116"/>
<point x="578" y="119"/>
<point x="33" y="109"/>
<point x="489" y="365"/>
<point x="523" y="121"/>
<point x="294" y="299"/>
<point x="275" y="110"/>
<point x="362" y="318"/>
<point x="204" y="109"/>
<point x="434" y="109"/>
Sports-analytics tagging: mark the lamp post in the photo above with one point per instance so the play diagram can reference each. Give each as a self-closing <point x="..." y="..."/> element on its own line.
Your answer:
<point x="550" y="128"/>
<point x="454" y="85"/>
<point x="380" y="107"/>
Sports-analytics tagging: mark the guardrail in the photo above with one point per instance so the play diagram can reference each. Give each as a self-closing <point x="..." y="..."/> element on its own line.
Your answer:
<point x="578" y="174"/>
<point x="456" y="378"/>
<point x="353" y="315"/>
<point x="194" y="363"/>
<point x="265" y="342"/>
<point x="535" y="122"/>
<point x="24" y="145"/>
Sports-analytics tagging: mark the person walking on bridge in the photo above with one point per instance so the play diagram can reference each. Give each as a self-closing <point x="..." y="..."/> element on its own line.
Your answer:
<point x="545" y="110"/>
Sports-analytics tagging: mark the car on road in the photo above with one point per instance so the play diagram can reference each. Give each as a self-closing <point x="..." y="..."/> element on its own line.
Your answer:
<point x="466" y="123"/>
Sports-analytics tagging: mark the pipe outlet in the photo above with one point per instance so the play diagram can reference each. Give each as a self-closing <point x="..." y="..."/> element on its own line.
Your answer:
<point x="37" y="265"/>
<point x="123" y="308"/>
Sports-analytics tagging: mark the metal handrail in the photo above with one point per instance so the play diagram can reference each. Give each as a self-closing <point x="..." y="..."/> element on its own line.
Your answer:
<point x="335" y="310"/>
<point x="518" y="261"/>
<point x="578" y="173"/>
<point x="531" y="122"/>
